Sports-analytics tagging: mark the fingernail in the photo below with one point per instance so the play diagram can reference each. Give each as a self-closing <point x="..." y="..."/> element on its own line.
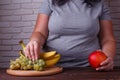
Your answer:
<point x="33" y="58"/>
<point x="36" y="57"/>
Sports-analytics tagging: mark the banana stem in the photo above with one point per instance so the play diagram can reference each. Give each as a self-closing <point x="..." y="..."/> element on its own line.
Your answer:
<point x="22" y="44"/>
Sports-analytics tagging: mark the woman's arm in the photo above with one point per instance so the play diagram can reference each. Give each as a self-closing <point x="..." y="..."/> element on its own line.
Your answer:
<point x="108" y="44"/>
<point x="38" y="37"/>
<point x="40" y="31"/>
<point x="107" y="38"/>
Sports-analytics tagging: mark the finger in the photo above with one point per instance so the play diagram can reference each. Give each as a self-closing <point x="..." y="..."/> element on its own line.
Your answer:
<point x="106" y="67"/>
<point x="105" y="62"/>
<point x="27" y="51"/>
<point x="36" y="50"/>
<point x="100" y="68"/>
<point x="32" y="52"/>
<point x="33" y="56"/>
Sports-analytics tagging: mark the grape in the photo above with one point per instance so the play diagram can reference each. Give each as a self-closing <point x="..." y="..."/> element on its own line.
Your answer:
<point x="23" y="63"/>
<point x="30" y="62"/>
<point x="25" y="68"/>
<point x="43" y="63"/>
<point x="17" y="65"/>
<point x="12" y="66"/>
<point x="41" y="68"/>
<point x="17" y="60"/>
<point x="29" y="67"/>
<point x="37" y="67"/>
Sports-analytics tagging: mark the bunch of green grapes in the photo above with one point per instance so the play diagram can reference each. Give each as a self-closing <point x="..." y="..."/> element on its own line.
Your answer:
<point x="23" y="63"/>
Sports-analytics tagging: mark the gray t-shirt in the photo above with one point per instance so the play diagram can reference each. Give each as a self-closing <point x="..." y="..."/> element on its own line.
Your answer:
<point x="73" y="30"/>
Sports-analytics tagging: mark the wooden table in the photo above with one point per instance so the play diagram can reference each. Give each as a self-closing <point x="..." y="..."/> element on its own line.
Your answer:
<point x="70" y="74"/>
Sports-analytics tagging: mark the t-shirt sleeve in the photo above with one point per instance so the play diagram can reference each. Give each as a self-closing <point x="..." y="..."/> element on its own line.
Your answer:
<point x="45" y="7"/>
<point x="105" y="14"/>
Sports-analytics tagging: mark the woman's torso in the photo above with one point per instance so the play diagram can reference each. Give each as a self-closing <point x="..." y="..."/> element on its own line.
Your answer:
<point x="73" y="32"/>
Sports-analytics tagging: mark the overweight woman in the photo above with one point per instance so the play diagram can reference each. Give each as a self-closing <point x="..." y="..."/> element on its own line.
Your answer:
<point x="73" y="28"/>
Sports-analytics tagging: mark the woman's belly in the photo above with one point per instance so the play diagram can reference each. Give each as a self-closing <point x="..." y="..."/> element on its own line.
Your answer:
<point x="74" y="51"/>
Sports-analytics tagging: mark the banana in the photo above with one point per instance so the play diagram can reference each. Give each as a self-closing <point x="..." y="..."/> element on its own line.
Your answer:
<point x="45" y="55"/>
<point x="22" y="44"/>
<point x="21" y="53"/>
<point x="51" y="62"/>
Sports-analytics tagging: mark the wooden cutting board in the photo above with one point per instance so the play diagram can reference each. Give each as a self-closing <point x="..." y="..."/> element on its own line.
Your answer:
<point x="30" y="73"/>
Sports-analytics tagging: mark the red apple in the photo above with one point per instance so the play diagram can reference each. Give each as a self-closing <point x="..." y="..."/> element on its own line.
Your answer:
<point x="96" y="58"/>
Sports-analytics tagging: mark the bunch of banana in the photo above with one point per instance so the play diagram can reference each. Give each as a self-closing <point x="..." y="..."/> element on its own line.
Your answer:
<point x="50" y="58"/>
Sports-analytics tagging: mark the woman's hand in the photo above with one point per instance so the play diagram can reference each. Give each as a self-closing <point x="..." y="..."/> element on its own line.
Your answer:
<point x="106" y="65"/>
<point x="32" y="50"/>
